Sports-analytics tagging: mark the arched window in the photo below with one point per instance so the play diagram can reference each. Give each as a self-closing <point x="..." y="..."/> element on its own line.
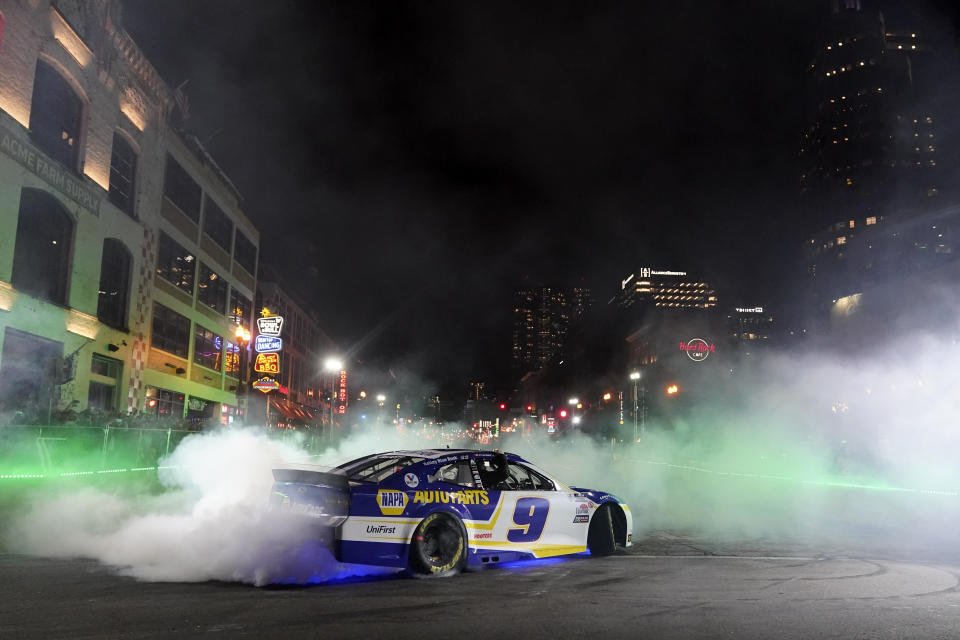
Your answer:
<point x="55" y="116"/>
<point x="123" y="171"/>
<point x="41" y="257"/>
<point x="114" y="284"/>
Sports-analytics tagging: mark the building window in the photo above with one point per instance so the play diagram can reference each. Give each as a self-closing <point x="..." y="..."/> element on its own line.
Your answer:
<point x="231" y="360"/>
<point x="241" y="307"/>
<point x="41" y="257"/>
<point x="206" y="348"/>
<point x="175" y="264"/>
<point x="27" y="371"/>
<point x="114" y="284"/>
<point x="182" y="190"/>
<point x="123" y="170"/>
<point x="216" y="224"/>
<point x="211" y="289"/>
<point x="871" y="220"/>
<point x="245" y="253"/>
<point x="171" y="331"/>
<point x="200" y="411"/>
<point x="55" y="116"/>
<point x="164" y="403"/>
<point x="104" y="382"/>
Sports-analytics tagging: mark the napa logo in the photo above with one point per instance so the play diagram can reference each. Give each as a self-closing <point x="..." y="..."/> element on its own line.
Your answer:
<point x="391" y="503"/>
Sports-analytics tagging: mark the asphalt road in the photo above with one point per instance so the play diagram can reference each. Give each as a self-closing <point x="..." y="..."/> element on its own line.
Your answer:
<point x="667" y="586"/>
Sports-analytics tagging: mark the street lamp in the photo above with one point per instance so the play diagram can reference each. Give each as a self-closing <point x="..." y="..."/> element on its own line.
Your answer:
<point x="242" y="336"/>
<point x="635" y="376"/>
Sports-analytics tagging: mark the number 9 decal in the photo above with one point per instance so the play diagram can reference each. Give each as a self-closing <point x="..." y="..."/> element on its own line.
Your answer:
<point x="531" y="515"/>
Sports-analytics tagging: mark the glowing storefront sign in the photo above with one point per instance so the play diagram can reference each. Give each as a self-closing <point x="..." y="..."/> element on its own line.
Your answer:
<point x="270" y="326"/>
<point x="750" y="310"/>
<point x="266" y="385"/>
<point x="342" y="393"/>
<point x="267" y="363"/>
<point x="697" y="349"/>
<point x="268" y="344"/>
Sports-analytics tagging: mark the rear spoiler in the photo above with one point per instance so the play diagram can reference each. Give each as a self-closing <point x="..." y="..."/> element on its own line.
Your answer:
<point x="318" y="478"/>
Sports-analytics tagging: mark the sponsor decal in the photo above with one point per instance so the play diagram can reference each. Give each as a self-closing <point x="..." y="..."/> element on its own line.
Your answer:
<point x="305" y="508"/>
<point x="581" y="518"/>
<point x="583" y="509"/>
<point x="391" y="503"/>
<point x="697" y="349"/>
<point x="483" y="536"/>
<point x="444" y="460"/>
<point x="380" y="528"/>
<point x="451" y="497"/>
<point x="412" y="480"/>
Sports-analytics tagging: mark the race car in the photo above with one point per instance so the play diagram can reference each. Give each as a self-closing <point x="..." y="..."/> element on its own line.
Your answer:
<point x="438" y="511"/>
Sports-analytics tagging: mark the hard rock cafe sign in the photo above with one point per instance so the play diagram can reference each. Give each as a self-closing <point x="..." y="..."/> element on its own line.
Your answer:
<point x="697" y="349"/>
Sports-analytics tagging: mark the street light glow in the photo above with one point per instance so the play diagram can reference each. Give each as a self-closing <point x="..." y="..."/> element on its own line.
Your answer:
<point x="333" y="364"/>
<point x="572" y="401"/>
<point x="635" y="375"/>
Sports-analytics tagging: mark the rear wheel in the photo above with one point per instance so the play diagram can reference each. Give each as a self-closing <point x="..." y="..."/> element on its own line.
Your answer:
<point x="438" y="546"/>
<point x="600" y="538"/>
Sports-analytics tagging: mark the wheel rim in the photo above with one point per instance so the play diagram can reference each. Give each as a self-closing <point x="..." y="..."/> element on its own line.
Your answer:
<point x="440" y="544"/>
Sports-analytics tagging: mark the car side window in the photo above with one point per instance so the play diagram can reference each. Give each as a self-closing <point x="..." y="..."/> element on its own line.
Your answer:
<point x="526" y="479"/>
<point x="454" y="473"/>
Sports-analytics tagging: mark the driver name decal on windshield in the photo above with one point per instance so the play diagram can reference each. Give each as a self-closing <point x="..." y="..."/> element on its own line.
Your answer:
<point x="454" y="497"/>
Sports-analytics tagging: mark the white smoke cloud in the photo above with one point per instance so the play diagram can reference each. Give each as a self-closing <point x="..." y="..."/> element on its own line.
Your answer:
<point x="209" y="524"/>
<point x="856" y="454"/>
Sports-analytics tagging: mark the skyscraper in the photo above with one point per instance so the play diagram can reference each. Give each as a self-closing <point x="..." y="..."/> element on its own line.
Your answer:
<point x="542" y="317"/>
<point x="869" y="154"/>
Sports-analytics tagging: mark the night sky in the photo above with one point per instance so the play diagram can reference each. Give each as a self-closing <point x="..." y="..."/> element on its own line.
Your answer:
<point x="410" y="164"/>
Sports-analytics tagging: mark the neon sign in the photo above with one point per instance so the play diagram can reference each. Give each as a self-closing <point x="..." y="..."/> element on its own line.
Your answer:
<point x="270" y="326"/>
<point x="342" y="393"/>
<point x="697" y="349"/>
<point x="267" y="363"/>
<point x="268" y="344"/>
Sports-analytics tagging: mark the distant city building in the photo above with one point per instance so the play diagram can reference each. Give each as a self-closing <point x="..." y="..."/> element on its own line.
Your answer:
<point x="478" y="390"/>
<point x="872" y="181"/>
<point x="746" y="324"/>
<point x="126" y="259"/>
<point x="664" y="289"/>
<point x="542" y="318"/>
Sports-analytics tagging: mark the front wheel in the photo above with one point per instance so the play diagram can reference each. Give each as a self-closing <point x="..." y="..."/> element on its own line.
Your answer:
<point x="438" y="545"/>
<point x="600" y="538"/>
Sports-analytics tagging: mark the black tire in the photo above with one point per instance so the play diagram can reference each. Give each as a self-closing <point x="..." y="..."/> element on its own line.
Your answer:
<point x="439" y="546"/>
<point x="600" y="538"/>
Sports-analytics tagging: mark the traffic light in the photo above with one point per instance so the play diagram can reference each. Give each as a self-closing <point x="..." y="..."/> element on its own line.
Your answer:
<point x="563" y="413"/>
<point x="503" y="406"/>
<point x="529" y="408"/>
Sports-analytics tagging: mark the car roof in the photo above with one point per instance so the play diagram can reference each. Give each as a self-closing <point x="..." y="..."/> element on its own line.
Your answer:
<point x="427" y="454"/>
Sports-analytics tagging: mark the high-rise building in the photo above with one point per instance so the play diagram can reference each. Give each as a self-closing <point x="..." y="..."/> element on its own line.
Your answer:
<point x="664" y="289"/>
<point x="542" y="318"/>
<point x="871" y="176"/>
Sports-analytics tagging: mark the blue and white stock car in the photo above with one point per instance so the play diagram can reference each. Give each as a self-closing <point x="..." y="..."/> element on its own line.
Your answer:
<point x="440" y="510"/>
